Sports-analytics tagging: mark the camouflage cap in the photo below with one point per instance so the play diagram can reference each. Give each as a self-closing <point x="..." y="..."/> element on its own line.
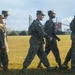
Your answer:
<point x="40" y="12"/>
<point x="5" y="12"/>
<point x="51" y="12"/>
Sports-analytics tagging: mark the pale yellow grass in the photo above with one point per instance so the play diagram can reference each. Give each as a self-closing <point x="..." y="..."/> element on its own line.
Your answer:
<point x="18" y="49"/>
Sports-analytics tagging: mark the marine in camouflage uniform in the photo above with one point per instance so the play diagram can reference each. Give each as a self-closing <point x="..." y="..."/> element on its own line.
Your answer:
<point x="72" y="54"/>
<point x="36" y="43"/>
<point x="51" y="45"/>
<point x="4" y="12"/>
<point x="3" y="53"/>
<point x="4" y="56"/>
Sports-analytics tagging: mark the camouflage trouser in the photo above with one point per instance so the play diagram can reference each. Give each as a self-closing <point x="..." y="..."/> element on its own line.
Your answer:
<point x="3" y="57"/>
<point x="73" y="56"/>
<point x="69" y="54"/>
<point x="36" y="48"/>
<point x="52" y="46"/>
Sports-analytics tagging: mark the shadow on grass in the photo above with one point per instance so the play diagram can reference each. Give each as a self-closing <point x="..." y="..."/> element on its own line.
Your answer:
<point x="33" y="71"/>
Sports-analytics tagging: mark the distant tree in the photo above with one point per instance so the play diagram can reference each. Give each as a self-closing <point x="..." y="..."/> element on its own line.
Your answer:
<point x="13" y="33"/>
<point x="60" y="32"/>
<point x="23" y="32"/>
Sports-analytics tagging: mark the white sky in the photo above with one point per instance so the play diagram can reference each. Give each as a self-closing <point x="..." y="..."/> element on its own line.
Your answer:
<point x="20" y="10"/>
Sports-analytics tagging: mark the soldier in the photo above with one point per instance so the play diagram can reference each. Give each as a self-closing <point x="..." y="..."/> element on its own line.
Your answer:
<point x="5" y="13"/>
<point x="3" y="53"/>
<point x="1" y="36"/>
<point x="70" y="52"/>
<point x="36" y="43"/>
<point x="51" y="45"/>
<point x="72" y="27"/>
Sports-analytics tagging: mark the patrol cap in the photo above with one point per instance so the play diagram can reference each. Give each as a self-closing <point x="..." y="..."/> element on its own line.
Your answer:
<point x="5" y="12"/>
<point x="40" y="12"/>
<point x="51" y="12"/>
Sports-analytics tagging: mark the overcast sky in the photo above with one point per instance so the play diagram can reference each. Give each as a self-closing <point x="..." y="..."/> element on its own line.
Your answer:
<point x="20" y="10"/>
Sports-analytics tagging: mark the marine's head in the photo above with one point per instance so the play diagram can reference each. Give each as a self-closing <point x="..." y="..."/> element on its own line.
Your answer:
<point x="51" y="14"/>
<point x="40" y="14"/>
<point x="5" y="13"/>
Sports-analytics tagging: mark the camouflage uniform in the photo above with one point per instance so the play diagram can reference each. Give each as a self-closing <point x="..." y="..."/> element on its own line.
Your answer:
<point x="3" y="53"/>
<point x="72" y="27"/>
<point x="50" y="30"/>
<point x="5" y="13"/>
<point x="36" y="46"/>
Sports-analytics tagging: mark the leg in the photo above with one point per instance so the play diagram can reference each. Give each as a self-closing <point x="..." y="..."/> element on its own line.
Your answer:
<point x="47" y="50"/>
<point x="69" y="54"/>
<point x="4" y="58"/>
<point x="0" y="59"/>
<point x="32" y="52"/>
<point x="43" y="57"/>
<point x="56" y="52"/>
<point x="73" y="57"/>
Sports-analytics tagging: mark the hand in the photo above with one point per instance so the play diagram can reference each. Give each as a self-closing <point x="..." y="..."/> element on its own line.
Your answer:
<point x="51" y="38"/>
<point x="3" y="46"/>
<point x="58" y="39"/>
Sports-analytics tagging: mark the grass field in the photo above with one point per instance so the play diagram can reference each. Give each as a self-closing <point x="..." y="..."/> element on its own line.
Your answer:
<point x="18" y="48"/>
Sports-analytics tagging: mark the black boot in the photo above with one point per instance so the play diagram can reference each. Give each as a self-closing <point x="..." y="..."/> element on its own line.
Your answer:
<point x="5" y="69"/>
<point x="65" y="65"/>
<point x="40" y="65"/>
<point x="1" y="65"/>
<point x="51" y="68"/>
<point x="60" y="66"/>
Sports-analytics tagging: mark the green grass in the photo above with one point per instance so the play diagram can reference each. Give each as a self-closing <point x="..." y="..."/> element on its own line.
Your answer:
<point x="18" y="48"/>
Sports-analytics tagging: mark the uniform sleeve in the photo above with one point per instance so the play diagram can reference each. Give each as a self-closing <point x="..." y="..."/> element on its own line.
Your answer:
<point x="47" y="28"/>
<point x="2" y="38"/>
<point x="54" y="34"/>
<point x="40" y="31"/>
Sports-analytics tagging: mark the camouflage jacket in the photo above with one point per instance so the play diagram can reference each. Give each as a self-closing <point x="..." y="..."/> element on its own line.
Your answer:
<point x="2" y="41"/>
<point x="49" y="28"/>
<point x="2" y="33"/>
<point x="38" y="32"/>
<point x="72" y="25"/>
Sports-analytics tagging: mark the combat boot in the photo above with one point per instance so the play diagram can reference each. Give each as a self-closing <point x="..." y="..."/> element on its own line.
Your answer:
<point x="65" y="66"/>
<point x="60" y="66"/>
<point x="72" y="69"/>
<point x="1" y="66"/>
<point x="5" y="69"/>
<point x="39" y="66"/>
<point x="23" y="71"/>
<point x="51" y="68"/>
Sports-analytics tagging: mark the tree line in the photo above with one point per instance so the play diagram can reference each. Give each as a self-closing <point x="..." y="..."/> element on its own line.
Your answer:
<point x="16" y="33"/>
<point x="23" y="32"/>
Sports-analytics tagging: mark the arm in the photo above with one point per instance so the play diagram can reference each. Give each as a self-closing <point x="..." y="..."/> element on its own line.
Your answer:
<point x="54" y="34"/>
<point x="2" y="38"/>
<point x="40" y="31"/>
